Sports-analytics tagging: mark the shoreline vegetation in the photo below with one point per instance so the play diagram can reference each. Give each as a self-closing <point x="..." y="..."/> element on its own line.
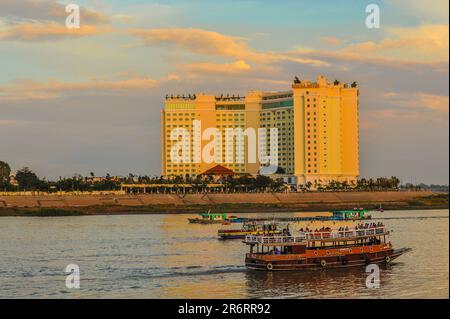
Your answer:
<point x="26" y="194"/>
<point x="232" y="204"/>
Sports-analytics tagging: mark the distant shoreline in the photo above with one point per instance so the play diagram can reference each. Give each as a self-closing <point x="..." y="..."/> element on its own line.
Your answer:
<point x="228" y="203"/>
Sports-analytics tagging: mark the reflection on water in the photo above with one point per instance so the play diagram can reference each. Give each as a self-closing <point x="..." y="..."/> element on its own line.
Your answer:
<point x="162" y="256"/>
<point x="330" y="283"/>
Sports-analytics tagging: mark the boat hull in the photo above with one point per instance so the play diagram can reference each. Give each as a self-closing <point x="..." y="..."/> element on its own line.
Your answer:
<point x="355" y="260"/>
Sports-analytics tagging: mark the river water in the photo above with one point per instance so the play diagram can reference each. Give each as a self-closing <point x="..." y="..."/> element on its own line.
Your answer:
<point x="162" y="256"/>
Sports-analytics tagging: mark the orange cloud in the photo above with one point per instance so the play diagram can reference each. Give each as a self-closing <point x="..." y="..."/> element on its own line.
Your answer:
<point x="197" y="41"/>
<point x="212" y="43"/>
<point x="26" y="89"/>
<point x="426" y="43"/>
<point x="352" y="57"/>
<point x="330" y="41"/>
<point x="437" y="103"/>
<point x="48" y="31"/>
<point x="8" y="122"/>
<point x="216" y="68"/>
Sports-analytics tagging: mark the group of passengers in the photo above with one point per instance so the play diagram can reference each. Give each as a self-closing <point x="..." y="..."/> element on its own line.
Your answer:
<point x="375" y="227"/>
<point x="359" y="230"/>
<point x="369" y="225"/>
<point x="323" y="232"/>
<point x="320" y="230"/>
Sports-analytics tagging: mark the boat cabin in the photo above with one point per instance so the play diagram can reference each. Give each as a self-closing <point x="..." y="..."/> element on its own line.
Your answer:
<point x="324" y="240"/>
<point x="355" y="214"/>
<point x="213" y="216"/>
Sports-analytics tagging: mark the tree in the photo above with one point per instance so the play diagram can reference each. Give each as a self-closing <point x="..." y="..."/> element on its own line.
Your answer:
<point x="5" y="171"/>
<point x="27" y="179"/>
<point x="263" y="182"/>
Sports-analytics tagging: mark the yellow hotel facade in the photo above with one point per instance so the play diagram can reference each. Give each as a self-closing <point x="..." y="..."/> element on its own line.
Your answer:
<point x="317" y="126"/>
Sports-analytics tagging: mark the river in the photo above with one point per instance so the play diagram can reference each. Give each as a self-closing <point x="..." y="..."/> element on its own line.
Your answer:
<point x="163" y="256"/>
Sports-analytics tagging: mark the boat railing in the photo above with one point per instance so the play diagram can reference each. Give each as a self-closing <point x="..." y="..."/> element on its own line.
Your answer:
<point x="274" y="239"/>
<point x="305" y="236"/>
<point x="343" y="233"/>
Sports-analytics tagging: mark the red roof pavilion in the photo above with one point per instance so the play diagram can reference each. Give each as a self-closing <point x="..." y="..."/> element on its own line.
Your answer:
<point x="218" y="170"/>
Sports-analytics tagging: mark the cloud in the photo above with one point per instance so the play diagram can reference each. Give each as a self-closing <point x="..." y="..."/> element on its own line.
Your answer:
<point x="237" y="67"/>
<point x="8" y="122"/>
<point x="49" y="31"/>
<point x="197" y="41"/>
<point x="27" y="89"/>
<point x="331" y="41"/>
<point x="437" y="103"/>
<point x="336" y="58"/>
<point x="406" y="109"/>
<point x="212" y="43"/>
<point x="43" y="20"/>
<point x="423" y="43"/>
<point x="20" y="11"/>
<point x="435" y="10"/>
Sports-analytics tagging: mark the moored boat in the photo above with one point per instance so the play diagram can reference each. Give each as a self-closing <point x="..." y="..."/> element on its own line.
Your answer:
<point x="264" y="228"/>
<point x="236" y="219"/>
<point x="327" y="249"/>
<point x="354" y="214"/>
<point x="209" y="218"/>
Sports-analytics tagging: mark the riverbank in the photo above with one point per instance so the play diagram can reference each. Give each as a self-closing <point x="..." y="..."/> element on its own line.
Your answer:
<point x="52" y="205"/>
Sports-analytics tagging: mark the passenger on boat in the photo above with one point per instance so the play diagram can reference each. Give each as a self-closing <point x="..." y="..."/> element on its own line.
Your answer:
<point x="286" y="231"/>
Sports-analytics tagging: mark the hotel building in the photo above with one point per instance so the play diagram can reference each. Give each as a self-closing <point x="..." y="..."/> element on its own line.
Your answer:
<point x="317" y="126"/>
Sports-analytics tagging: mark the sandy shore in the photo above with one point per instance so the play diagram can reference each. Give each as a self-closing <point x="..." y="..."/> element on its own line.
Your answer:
<point x="233" y="203"/>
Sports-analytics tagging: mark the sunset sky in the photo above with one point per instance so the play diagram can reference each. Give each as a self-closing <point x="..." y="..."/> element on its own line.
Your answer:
<point x="76" y="101"/>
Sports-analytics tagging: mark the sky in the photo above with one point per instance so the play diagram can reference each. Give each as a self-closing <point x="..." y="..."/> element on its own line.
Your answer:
<point x="75" y="101"/>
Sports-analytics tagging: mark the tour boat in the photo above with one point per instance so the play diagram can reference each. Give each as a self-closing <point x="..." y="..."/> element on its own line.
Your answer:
<point x="250" y="228"/>
<point x="328" y="249"/>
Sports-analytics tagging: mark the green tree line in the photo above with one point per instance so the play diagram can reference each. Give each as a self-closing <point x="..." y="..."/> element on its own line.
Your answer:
<point x="27" y="180"/>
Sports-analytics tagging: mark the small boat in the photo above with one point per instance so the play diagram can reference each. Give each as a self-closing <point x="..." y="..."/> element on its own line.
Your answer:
<point x="209" y="218"/>
<point x="250" y="228"/>
<point x="328" y="249"/>
<point x="354" y="214"/>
